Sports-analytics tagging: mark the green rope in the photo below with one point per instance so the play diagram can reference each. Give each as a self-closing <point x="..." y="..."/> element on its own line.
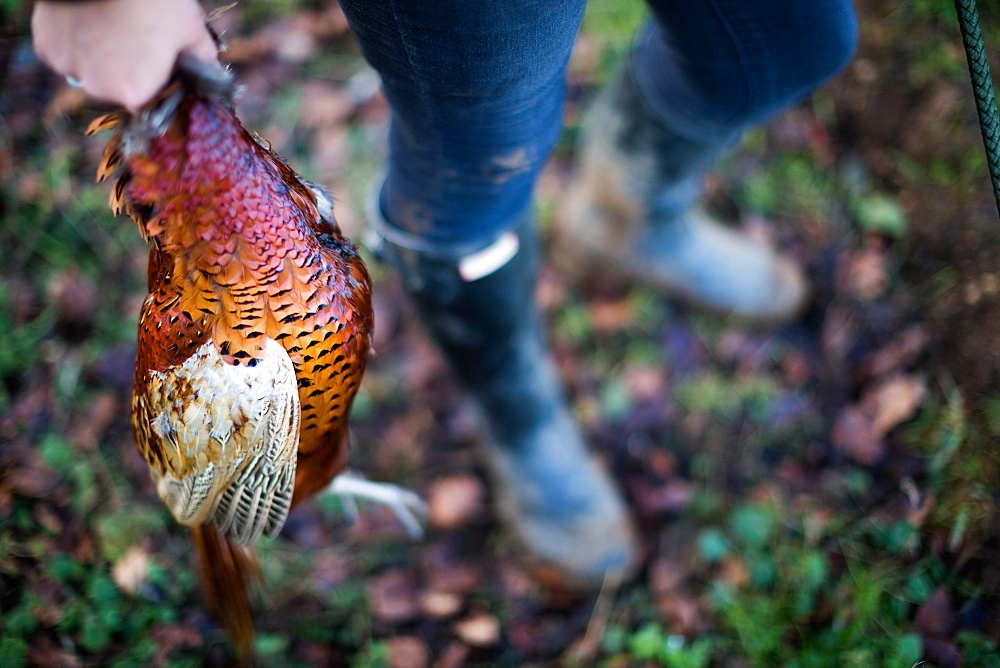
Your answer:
<point x="982" y="87"/>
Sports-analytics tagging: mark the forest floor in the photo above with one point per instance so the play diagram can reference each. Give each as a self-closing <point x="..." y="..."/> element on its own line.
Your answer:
<point x="820" y="494"/>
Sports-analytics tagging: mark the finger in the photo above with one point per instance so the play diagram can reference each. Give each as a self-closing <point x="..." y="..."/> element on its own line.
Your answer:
<point x="203" y="47"/>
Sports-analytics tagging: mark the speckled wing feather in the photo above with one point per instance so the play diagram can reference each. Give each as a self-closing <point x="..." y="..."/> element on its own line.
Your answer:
<point x="229" y="436"/>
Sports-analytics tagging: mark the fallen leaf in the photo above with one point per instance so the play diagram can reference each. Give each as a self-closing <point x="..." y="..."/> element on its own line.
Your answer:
<point x="855" y="435"/>
<point x="454" y="501"/>
<point x="453" y="656"/>
<point x="661" y="462"/>
<point x="171" y="637"/>
<point x="839" y="333"/>
<point x="324" y="104"/>
<point x="74" y="296"/>
<point x="440" y="604"/>
<point x="131" y="570"/>
<point x="795" y="367"/>
<point x="608" y="316"/>
<point x="478" y="630"/>
<point x="942" y="653"/>
<point x="681" y="614"/>
<point x="644" y="382"/>
<point x="734" y="572"/>
<point x="449" y="570"/>
<point x="936" y="617"/>
<point x="901" y="351"/>
<point x="672" y="496"/>
<point x="290" y="40"/>
<point x="37" y="483"/>
<point x="393" y="597"/>
<point x="865" y="273"/>
<point x="893" y="401"/>
<point x="330" y="153"/>
<point x="408" y="652"/>
<point x="917" y="517"/>
<point x="665" y="576"/>
<point x="551" y="291"/>
<point x="90" y="426"/>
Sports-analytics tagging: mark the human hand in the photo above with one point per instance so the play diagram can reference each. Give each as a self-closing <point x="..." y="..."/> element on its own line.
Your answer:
<point x="120" y="51"/>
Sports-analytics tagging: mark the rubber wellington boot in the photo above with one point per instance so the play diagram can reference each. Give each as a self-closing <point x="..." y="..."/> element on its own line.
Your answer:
<point x="553" y="495"/>
<point x="630" y="213"/>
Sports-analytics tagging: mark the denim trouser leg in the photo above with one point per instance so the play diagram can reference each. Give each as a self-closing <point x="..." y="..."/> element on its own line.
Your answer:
<point x="476" y="90"/>
<point x="713" y="68"/>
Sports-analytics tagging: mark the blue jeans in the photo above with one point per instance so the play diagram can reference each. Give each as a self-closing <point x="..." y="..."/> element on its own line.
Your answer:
<point x="476" y="90"/>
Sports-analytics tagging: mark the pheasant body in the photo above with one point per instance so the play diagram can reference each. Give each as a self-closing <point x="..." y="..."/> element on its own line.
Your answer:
<point x="257" y="326"/>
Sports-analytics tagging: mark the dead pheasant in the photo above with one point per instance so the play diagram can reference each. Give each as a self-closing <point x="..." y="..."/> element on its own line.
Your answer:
<point x="255" y="333"/>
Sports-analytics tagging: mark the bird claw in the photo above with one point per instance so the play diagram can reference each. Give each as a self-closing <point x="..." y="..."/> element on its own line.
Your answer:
<point x="408" y="508"/>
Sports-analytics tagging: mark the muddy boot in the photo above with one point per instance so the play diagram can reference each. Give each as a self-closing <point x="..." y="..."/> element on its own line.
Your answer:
<point x="558" y="501"/>
<point x="630" y="213"/>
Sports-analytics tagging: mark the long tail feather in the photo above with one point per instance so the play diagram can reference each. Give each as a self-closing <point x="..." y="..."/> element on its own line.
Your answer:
<point x="227" y="572"/>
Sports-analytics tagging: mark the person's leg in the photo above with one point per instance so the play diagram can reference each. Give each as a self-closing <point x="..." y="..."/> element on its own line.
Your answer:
<point x="476" y="93"/>
<point x="712" y="68"/>
<point x="698" y="76"/>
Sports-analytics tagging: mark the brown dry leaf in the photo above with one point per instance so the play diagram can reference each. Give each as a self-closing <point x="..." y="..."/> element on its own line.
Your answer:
<point x="551" y="291"/>
<point x="454" y="501"/>
<point x="865" y="274"/>
<point x="661" y="462"/>
<point x="330" y="22"/>
<point x="402" y="441"/>
<point x="74" y="296"/>
<point x="894" y="401"/>
<point x="130" y="571"/>
<point x="839" y="333"/>
<point x="48" y="520"/>
<point x="854" y="434"/>
<point x="330" y="570"/>
<point x="440" y="604"/>
<point x="672" y="496"/>
<point x="35" y="482"/>
<point x="290" y="40"/>
<point x="172" y="637"/>
<point x="453" y="656"/>
<point x="901" y="351"/>
<point x="43" y="651"/>
<point x="795" y="367"/>
<point x="393" y="597"/>
<point x="681" y="614"/>
<point x="89" y="427"/>
<point x="941" y="653"/>
<point x="936" y="617"/>
<point x="917" y="517"/>
<point x="329" y="153"/>
<point x="645" y="382"/>
<point x="49" y="606"/>
<point x="324" y="104"/>
<point x="408" y="652"/>
<point x="449" y="571"/>
<point x="478" y="630"/>
<point x="610" y="315"/>
<point x="665" y="576"/>
<point x="734" y="572"/>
